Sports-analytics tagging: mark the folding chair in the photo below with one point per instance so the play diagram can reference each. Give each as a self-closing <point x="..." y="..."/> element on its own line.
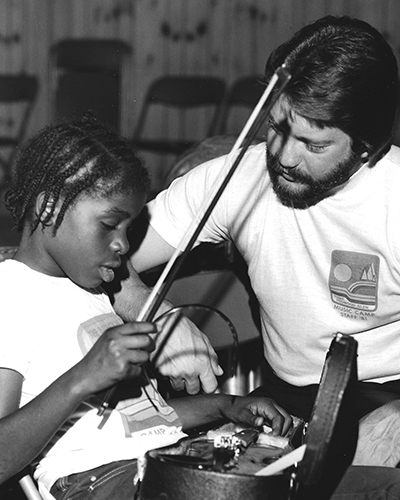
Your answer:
<point x="241" y="98"/>
<point x="88" y="75"/>
<point x="185" y="99"/>
<point x="17" y="97"/>
<point x="29" y="488"/>
<point x="200" y="152"/>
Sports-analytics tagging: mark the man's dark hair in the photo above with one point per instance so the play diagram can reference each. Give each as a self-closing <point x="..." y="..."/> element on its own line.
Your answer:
<point x="344" y="75"/>
<point x="71" y="159"/>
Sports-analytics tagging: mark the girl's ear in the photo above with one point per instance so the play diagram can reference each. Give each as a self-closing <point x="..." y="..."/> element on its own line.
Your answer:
<point x="50" y="212"/>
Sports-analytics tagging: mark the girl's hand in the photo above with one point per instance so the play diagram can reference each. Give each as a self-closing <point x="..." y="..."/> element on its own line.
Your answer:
<point x="256" y="411"/>
<point x="118" y="354"/>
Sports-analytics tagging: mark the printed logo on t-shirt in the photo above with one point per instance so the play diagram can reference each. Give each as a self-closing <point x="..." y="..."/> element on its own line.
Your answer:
<point x="89" y="331"/>
<point x="353" y="280"/>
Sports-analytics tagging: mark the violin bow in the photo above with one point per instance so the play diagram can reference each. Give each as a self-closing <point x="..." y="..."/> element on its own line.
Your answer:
<point x="258" y="116"/>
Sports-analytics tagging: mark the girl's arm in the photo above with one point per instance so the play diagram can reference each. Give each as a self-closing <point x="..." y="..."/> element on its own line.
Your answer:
<point x="24" y="432"/>
<point x="248" y="411"/>
<point x="117" y="355"/>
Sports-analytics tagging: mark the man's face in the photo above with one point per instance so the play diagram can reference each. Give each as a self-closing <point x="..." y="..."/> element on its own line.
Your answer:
<point x="306" y="163"/>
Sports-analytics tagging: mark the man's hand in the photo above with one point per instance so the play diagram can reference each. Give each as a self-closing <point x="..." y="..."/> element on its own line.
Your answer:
<point x="187" y="357"/>
<point x="184" y="355"/>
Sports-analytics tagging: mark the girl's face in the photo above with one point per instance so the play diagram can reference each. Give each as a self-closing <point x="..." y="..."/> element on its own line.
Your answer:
<point x="88" y="245"/>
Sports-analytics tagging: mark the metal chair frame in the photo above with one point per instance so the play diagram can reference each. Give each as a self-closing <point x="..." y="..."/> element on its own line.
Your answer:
<point x="83" y="62"/>
<point x="29" y="488"/>
<point x="179" y="93"/>
<point x="244" y="93"/>
<point x="16" y="89"/>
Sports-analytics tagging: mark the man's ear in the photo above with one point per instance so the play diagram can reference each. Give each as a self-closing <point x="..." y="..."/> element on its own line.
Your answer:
<point x="50" y="212"/>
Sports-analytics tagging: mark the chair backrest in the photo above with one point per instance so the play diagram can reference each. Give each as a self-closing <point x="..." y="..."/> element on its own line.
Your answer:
<point x="17" y="88"/>
<point x="17" y="98"/>
<point x="184" y="94"/>
<point x="88" y="75"/>
<point x="241" y="98"/>
<point x="208" y="149"/>
<point x="88" y="53"/>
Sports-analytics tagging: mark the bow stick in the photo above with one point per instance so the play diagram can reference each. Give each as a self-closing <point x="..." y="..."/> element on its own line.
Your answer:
<point x="164" y="282"/>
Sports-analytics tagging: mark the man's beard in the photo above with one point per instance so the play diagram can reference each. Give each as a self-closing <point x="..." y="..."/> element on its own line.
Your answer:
<point x="306" y="191"/>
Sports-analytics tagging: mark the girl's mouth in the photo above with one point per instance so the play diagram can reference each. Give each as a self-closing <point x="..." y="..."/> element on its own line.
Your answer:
<point x="107" y="274"/>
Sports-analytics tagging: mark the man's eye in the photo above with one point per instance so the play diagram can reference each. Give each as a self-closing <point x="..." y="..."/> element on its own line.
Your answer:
<point x="276" y="128"/>
<point x="109" y="227"/>
<point x="271" y="125"/>
<point x="315" y="148"/>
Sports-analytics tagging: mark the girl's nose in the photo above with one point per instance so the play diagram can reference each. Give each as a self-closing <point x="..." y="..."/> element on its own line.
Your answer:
<point x="120" y="245"/>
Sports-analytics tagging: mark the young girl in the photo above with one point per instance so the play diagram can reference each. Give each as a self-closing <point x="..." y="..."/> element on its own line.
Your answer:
<point x="78" y="187"/>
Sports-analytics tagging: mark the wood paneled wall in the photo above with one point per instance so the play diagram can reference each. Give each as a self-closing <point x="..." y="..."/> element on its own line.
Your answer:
<point x="226" y="38"/>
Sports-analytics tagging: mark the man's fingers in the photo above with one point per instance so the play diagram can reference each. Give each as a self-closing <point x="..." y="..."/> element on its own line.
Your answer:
<point x="178" y="384"/>
<point x="189" y="383"/>
<point x="209" y="383"/>
<point x="217" y="369"/>
<point x="192" y="385"/>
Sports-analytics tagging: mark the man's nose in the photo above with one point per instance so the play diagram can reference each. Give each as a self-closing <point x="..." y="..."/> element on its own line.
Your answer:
<point x="289" y="155"/>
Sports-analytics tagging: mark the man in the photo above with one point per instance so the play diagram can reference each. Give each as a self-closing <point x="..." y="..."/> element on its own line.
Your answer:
<point x="315" y="214"/>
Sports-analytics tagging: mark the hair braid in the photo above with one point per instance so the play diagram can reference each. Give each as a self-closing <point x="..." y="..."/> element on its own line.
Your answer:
<point x="66" y="160"/>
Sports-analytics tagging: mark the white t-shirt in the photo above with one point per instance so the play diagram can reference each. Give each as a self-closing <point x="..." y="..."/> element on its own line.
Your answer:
<point x="333" y="267"/>
<point x="47" y="325"/>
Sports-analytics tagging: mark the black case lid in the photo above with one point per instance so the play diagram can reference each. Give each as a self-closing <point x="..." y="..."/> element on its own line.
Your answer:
<point x="332" y="432"/>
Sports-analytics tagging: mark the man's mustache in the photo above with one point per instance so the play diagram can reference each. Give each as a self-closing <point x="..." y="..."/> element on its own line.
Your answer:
<point x="297" y="176"/>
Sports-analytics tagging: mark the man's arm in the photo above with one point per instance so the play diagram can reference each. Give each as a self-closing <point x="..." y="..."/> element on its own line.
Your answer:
<point x="153" y="251"/>
<point x="187" y="358"/>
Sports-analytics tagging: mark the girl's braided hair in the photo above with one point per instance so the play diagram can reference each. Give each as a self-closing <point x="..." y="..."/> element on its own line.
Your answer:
<point x="80" y="157"/>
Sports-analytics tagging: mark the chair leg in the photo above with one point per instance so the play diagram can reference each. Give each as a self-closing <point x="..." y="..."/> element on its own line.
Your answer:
<point x="29" y="488"/>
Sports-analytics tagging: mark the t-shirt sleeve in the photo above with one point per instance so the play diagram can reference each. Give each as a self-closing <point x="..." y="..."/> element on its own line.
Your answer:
<point x="16" y="336"/>
<point x="183" y="204"/>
